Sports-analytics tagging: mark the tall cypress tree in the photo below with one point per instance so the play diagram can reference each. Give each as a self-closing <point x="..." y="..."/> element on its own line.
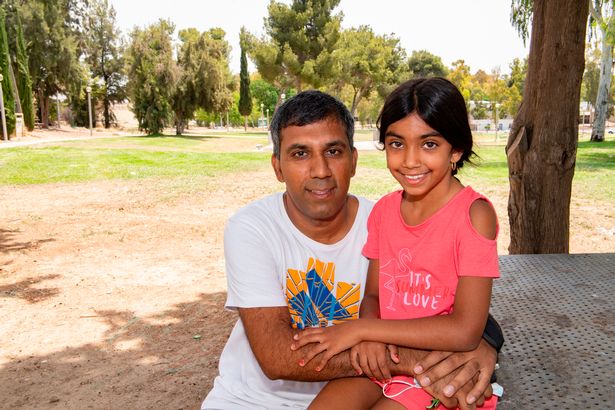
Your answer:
<point x="7" y="89"/>
<point x="24" y="82"/>
<point x="245" y="97"/>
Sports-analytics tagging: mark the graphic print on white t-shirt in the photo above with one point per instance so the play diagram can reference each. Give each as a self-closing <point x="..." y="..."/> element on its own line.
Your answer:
<point x="314" y="298"/>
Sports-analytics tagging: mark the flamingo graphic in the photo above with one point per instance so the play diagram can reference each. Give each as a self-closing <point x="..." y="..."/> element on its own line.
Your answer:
<point x="396" y="269"/>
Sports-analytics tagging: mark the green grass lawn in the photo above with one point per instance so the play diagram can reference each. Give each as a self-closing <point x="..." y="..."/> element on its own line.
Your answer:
<point x="170" y="156"/>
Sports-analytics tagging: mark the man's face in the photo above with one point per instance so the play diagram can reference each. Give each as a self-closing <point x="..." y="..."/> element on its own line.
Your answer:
<point x="316" y="163"/>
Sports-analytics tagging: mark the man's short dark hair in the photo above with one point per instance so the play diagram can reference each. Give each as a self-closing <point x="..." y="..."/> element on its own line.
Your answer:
<point x="306" y="108"/>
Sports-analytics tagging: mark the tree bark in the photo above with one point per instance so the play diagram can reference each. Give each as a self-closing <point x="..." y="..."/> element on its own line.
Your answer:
<point x="179" y="125"/>
<point x="542" y="144"/>
<point x="602" y="100"/>
<point x="43" y="106"/>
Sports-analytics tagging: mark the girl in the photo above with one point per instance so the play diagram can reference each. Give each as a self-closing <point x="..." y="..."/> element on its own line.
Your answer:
<point x="432" y="253"/>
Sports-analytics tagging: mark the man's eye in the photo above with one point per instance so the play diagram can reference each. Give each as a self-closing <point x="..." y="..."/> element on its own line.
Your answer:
<point x="299" y="154"/>
<point x="334" y="151"/>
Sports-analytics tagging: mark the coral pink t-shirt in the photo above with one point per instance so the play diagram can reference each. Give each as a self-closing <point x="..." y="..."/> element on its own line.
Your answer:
<point x="420" y="265"/>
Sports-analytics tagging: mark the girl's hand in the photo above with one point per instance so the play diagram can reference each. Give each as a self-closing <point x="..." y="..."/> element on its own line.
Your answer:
<point x="370" y="358"/>
<point x="327" y="340"/>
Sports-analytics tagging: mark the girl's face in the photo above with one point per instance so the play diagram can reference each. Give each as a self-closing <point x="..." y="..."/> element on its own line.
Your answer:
<point x="419" y="157"/>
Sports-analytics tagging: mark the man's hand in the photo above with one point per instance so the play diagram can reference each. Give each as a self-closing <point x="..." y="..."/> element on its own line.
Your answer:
<point x="471" y="378"/>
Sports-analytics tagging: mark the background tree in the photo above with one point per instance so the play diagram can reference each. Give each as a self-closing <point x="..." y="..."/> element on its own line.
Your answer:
<point x="424" y="64"/>
<point x="602" y="17"/>
<point x="591" y="76"/>
<point x="264" y="93"/>
<point x="518" y="72"/>
<point x="496" y="93"/>
<point x="301" y="38"/>
<point x="103" y="51"/>
<point x="364" y="61"/>
<point x="369" y="108"/>
<point x="151" y="75"/>
<point x="510" y="103"/>
<point x="24" y="82"/>
<point x="591" y="79"/>
<point x="245" y="97"/>
<point x="53" y="62"/>
<point x="460" y="76"/>
<point x="204" y="79"/>
<point x="7" y="88"/>
<point x="541" y="147"/>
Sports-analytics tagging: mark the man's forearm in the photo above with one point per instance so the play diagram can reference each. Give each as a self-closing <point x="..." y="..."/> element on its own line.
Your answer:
<point x="270" y="337"/>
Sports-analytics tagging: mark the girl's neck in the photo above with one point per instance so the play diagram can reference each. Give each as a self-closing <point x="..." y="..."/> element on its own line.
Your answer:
<point x="417" y="209"/>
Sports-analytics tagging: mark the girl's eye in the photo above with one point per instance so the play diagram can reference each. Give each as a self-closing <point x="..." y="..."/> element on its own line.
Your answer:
<point x="430" y="145"/>
<point x="395" y="144"/>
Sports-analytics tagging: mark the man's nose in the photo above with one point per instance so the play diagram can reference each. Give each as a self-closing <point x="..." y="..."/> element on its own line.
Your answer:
<point x="320" y="167"/>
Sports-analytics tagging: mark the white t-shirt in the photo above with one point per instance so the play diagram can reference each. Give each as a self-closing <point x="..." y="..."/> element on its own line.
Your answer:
<point x="270" y="263"/>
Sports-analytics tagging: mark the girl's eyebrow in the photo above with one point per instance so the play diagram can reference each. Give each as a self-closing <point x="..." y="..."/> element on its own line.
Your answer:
<point x="422" y="136"/>
<point x="431" y="134"/>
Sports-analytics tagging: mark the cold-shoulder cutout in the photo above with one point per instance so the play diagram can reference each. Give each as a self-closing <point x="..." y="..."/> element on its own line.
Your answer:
<point x="484" y="219"/>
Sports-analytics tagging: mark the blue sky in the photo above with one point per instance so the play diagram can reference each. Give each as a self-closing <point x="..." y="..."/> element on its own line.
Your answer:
<point x="478" y="31"/>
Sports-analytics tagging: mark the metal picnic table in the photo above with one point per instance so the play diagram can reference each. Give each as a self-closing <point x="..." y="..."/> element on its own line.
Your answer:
<point x="558" y="317"/>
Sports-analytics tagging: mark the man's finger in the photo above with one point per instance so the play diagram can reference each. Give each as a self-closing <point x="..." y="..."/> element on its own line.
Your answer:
<point x="478" y="394"/>
<point x="482" y="389"/>
<point x="430" y="360"/>
<point x="462" y="397"/>
<point x="444" y="368"/>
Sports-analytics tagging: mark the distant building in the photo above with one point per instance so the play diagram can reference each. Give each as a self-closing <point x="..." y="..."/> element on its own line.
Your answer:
<point x="586" y="113"/>
<point x="504" y="124"/>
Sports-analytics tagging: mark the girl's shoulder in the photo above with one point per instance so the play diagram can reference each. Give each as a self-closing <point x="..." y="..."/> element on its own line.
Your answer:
<point x="479" y="214"/>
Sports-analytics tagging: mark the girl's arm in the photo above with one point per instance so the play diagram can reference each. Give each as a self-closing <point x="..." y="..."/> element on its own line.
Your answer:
<point x="371" y="358"/>
<point x="459" y="331"/>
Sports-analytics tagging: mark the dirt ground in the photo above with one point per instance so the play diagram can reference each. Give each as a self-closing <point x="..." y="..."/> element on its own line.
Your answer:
<point x="112" y="293"/>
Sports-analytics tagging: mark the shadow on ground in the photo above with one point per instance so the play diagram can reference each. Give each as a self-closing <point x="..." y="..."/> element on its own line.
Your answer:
<point x="26" y="289"/>
<point x="9" y="244"/>
<point x="165" y="361"/>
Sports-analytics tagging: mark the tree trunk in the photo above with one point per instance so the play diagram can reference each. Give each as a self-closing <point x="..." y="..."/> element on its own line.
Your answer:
<point x="356" y="98"/>
<point x="179" y="125"/>
<point x="542" y="144"/>
<point x="43" y="105"/>
<point x="602" y="100"/>
<point x="245" y="123"/>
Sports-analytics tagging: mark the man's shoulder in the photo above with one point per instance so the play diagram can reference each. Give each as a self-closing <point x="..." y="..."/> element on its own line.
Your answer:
<point x="266" y="208"/>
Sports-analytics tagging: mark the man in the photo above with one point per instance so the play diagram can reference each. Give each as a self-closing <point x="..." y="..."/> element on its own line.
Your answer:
<point x="295" y="258"/>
